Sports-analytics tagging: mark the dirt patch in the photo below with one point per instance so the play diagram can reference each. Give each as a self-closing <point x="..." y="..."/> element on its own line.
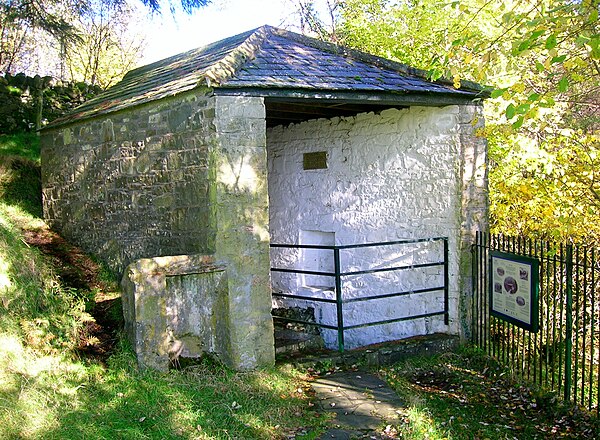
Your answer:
<point x="79" y="272"/>
<point x="74" y="267"/>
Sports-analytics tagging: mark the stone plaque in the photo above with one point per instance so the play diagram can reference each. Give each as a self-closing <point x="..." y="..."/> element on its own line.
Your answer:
<point x="315" y="161"/>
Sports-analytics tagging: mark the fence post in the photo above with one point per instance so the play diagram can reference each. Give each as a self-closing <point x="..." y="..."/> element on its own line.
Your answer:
<point x="475" y="290"/>
<point x="569" y="323"/>
<point x="446" y="282"/>
<point x="338" y="299"/>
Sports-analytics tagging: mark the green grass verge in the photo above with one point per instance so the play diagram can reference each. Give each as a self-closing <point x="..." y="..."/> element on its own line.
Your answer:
<point x="33" y="304"/>
<point x="24" y="145"/>
<point x="20" y="174"/>
<point x="51" y="399"/>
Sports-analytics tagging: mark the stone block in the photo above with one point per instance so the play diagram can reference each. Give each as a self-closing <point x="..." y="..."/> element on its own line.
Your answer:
<point x="174" y="307"/>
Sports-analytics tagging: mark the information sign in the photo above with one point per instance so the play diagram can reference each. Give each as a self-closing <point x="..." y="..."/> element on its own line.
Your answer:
<point x="514" y="289"/>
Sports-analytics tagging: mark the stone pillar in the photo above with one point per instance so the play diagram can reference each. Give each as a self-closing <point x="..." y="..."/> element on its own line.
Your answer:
<point x="474" y="203"/>
<point x="241" y="209"/>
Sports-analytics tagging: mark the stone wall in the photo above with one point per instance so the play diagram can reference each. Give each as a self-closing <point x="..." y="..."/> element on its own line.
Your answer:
<point x="400" y="174"/>
<point x="134" y="184"/>
<point x="184" y="175"/>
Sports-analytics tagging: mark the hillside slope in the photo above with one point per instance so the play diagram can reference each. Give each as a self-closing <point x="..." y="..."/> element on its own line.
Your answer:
<point x="65" y="370"/>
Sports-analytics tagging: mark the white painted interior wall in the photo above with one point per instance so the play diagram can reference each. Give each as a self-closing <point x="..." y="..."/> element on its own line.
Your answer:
<point x="390" y="176"/>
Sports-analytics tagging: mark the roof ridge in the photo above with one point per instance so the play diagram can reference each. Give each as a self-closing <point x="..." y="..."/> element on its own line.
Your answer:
<point x="230" y="64"/>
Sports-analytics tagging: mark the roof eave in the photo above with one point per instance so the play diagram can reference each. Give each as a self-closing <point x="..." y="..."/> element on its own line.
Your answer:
<point x="85" y="115"/>
<point x="400" y="98"/>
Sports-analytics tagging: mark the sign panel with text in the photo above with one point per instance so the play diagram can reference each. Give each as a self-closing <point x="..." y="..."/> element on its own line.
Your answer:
<point x="514" y="289"/>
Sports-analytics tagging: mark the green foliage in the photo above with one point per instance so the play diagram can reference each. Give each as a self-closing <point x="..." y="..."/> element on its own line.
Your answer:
<point x="419" y="32"/>
<point x="74" y="40"/>
<point x="20" y="19"/>
<point x="107" y="46"/>
<point x="544" y="192"/>
<point x="543" y="118"/>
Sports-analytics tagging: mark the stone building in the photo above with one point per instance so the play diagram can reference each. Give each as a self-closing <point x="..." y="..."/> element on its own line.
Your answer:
<point x="182" y="175"/>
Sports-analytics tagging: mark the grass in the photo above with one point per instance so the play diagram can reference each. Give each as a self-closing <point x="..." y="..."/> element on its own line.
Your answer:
<point x="49" y="391"/>
<point x="33" y="304"/>
<point x="75" y="400"/>
<point x="24" y="145"/>
<point x="468" y="395"/>
<point x="20" y="176"/>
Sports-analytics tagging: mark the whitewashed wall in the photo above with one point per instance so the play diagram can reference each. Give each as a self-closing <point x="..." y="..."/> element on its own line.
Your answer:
<point x="390" y="176"/>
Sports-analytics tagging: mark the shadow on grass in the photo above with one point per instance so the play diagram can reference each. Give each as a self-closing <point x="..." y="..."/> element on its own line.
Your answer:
<point x="469" y="395"/>
<point x="204" y="401"/>
<point x="21" y="184"/>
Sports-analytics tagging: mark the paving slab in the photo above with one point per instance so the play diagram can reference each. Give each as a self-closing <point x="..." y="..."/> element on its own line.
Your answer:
<point x="362" y="403"/>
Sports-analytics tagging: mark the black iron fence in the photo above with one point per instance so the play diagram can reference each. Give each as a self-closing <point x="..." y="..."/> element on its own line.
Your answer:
<point x="564" y="354"/>
<point x="340" y="274"/>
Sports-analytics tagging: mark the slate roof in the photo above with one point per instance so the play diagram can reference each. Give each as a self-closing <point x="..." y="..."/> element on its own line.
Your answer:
<point x="271" y="62"/>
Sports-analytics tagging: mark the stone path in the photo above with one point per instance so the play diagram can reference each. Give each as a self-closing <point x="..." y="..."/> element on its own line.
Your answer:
<point x="363" y="404"/>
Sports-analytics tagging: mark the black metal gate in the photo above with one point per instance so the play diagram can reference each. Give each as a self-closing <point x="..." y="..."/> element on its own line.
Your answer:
<point x="438" y="259"/>
<point x="564" y="355"/>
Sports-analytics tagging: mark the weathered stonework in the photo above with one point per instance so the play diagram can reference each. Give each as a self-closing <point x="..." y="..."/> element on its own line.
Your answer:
<point x="184" y="175"/>
<point x="176" y="307"/>
<point x="136" y="183"/>
<point x="242" y="238"/>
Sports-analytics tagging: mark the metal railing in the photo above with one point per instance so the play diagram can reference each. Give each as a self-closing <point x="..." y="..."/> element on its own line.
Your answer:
<point x="564" y="355"/>
<point x="339" y="275"/>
